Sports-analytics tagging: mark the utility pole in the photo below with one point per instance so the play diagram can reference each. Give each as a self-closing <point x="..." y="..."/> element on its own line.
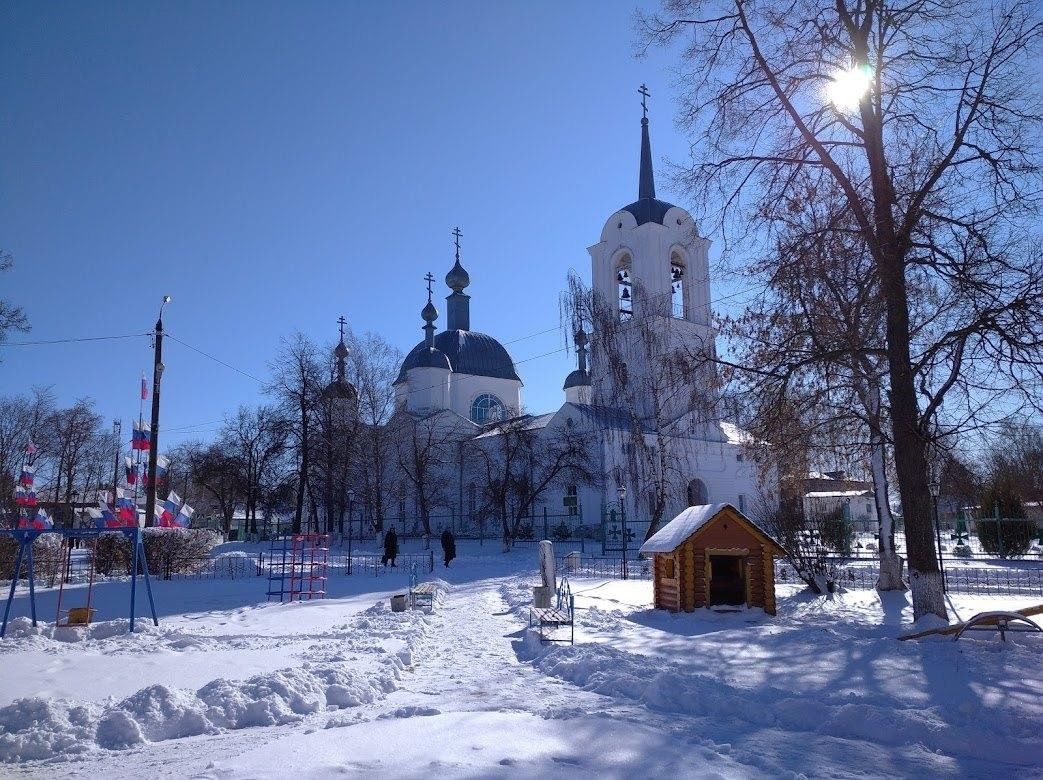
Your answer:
<point x="117" y="428"/>
<point x="153" y="450"/>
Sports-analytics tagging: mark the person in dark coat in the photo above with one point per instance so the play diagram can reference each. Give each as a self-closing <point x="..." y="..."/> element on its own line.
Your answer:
<point x="390" y="546"/>
<point x="448" y="546"/>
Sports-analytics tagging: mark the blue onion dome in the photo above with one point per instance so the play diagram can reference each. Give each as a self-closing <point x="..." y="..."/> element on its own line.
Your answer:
<point x="430" y="357"/>
<point x="468" y="352"/>
<point x="457" y="279"/>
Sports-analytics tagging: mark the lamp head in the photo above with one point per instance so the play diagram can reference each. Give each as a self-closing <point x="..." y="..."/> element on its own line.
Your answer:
<point x="621" y="492"/>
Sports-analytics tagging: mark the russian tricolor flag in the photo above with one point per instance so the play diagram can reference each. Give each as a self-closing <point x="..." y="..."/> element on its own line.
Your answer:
<point x="28" y="475"/>
<point x="42" y="521"/>
<point x="132" y="471"/>
<point x="170" y="508"/>
<point x="184" y="517"/>
<point x="24" y="496"/>
<point x="126" y="510"/>
<point x="142" y="436"/>
<point x="144" y="388"/>
<point x="162" y="464"/>
<point x="96" y="516"/>
<point x="108" y="518"/>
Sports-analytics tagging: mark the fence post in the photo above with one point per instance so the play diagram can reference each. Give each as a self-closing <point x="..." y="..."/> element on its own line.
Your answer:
<point x="999" y="527"/>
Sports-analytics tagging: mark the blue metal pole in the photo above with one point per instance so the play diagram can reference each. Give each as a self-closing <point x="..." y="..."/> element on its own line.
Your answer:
<point x="14" y="581"/>
<point x="32" y="584"/>
<point x="148" y="584"/>
<point x="134" y="578"/>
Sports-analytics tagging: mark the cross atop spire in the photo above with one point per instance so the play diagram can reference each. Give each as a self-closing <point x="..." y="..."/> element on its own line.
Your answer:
<point x="646" y="179"/>
<point x="430" y="278"/>
<point x="342" y="322"/>
<point x="457" y="234"/>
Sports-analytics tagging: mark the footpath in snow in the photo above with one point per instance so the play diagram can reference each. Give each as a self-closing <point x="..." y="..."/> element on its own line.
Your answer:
<point x="231" y="687"/>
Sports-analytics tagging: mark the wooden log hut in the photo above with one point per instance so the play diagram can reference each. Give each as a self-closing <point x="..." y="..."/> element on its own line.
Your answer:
<point x="712" y="555"/>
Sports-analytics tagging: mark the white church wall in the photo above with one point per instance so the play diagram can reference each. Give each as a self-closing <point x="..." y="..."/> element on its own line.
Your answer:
<point x="466" y="387"/>
<point x="429" y="389"/>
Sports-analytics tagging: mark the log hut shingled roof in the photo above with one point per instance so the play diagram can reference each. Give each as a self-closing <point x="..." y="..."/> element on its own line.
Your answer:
<point x="689" y="521"/>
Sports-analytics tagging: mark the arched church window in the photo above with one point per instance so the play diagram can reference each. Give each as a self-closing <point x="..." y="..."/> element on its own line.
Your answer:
<point x="697" y="493"/>
<point x="625" y="290"/>
<point x="487" y="408"/>
<point x="677" y="306"/>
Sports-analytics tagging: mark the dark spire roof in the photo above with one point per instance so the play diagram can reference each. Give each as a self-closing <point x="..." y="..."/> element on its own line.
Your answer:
<point x="428" y="355"/>
<point x="647" y="208"/>
<point x="469" y="352"/>
<point x="646" y="178"/>
<point x="580" y="377"/>
<point x="340" y="387"/>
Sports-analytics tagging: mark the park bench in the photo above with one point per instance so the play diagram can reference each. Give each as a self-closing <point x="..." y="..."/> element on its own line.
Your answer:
<point x="1003" y="622"/>
<point x="421" y="594"/>
<point x="561" y="614"/>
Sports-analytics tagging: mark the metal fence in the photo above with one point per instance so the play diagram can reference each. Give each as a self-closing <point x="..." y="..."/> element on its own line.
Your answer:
<point x="49" y="570"/>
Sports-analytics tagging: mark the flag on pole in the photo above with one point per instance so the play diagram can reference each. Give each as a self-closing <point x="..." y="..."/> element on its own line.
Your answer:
<point x="126" y="510"/>
<point x="144" y="387"/>
<point x="184" y="517"/>
<point x="96" y="516"/>
<point x="41" y="521"/>
<point x="108" y="517"/>
<point x="158" y="516"/>
<point x="24" y="496"/>
<point x="30" y="451"/>
<point x="28" y="475"/>
<point x="142" y="436"/>
<point x="170" y="507"/>
<point x="132" y="470"/>
<point x="162" y="464"/>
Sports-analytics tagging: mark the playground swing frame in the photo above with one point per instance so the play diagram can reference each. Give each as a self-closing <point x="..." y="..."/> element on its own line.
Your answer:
<point x="27" y="536"/>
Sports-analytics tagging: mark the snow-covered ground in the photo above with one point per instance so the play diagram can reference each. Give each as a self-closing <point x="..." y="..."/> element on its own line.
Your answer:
<point x="231" y="686"/>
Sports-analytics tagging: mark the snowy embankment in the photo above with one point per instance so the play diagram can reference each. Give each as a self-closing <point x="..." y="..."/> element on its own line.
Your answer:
<point x="827" y="670"/>
<point x="337" y="665"/>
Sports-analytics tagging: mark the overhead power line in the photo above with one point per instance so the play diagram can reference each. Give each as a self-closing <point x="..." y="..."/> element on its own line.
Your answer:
<point x="42" y="342"/>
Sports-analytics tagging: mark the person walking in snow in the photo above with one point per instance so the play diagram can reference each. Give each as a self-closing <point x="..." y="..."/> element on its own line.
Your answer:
<point x="390" y="546"/>
<point x="448" y="546"/>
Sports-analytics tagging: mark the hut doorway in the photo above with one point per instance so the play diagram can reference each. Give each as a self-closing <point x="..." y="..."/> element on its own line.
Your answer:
<point x="727" y="580"/>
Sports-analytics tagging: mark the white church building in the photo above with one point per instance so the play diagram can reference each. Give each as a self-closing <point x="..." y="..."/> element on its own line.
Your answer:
<point x="650" y="270"/>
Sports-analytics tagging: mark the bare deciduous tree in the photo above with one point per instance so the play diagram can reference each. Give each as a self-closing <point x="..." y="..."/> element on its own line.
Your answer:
<point x="520" y="461"/>
<point x="936" y="155"/>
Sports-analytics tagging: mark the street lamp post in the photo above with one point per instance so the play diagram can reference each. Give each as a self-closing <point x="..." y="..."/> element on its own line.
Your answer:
<point x="351" y="501"/>
<point x="936" y="490"/>
<point x="622" y="492"/>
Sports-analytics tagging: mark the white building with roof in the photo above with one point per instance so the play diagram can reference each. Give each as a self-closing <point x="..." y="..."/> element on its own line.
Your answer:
<point x="649" y="250"/>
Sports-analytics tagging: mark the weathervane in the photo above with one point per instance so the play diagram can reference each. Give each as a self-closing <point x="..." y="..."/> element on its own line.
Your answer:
<point x="643" y="91"/>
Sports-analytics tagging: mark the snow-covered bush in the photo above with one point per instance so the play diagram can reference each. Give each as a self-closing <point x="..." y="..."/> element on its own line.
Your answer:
<point x="168" y="551"/>
<point x="46" y="550"/>
<point x="962" y="551"/>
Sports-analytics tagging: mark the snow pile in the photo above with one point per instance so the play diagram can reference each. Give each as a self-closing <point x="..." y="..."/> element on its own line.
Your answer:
<point x="619" y="659"/>
<point x="360" y="664"/>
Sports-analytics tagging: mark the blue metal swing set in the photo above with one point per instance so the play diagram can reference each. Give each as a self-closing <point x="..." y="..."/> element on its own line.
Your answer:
<point x="25" y="538"/>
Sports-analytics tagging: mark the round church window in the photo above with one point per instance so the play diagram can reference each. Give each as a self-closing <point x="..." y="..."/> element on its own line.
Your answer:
<point x="487" y="408"/>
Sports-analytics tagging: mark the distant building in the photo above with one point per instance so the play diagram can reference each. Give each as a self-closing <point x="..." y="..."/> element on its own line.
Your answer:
<point x="825" y="492"/>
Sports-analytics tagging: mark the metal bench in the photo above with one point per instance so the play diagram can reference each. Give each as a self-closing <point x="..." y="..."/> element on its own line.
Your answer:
<point x="999" y="621"/>
<point x="421" y="594"/>
<point x="561" y="614"/>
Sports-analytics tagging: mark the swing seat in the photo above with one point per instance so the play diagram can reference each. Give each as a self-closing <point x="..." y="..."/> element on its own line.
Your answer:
<point x="78" y="616"/>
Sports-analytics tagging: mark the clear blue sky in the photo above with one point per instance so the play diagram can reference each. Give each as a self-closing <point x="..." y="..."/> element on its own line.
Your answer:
<point x="275" y="165"/>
